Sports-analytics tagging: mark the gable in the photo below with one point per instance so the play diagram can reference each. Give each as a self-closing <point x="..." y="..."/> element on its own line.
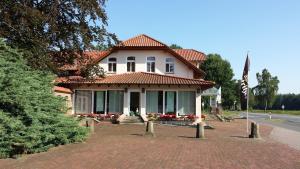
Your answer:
<point x="181" y="70"/>
<point x="144" y="42"/>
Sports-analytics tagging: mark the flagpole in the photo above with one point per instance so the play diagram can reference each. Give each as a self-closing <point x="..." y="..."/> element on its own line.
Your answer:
<point x="248" y="98"/>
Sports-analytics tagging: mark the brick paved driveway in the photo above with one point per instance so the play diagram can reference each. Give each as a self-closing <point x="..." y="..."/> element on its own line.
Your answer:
<point x="123" y="146"/>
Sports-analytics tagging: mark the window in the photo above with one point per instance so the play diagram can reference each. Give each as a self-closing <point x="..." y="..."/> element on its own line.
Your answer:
<point x="154" y="102"/>
<point x="83" y="102"/>
<point x="170" y="102"/>
<point x="115" y="101"/>
<point x="169" y="65"/>
<point x="99" y="102"/>
<point x="151" y="64"/>
<point x="186" y="102"/>
<point x="131" y="64"/>
<point x="112" y="65"/>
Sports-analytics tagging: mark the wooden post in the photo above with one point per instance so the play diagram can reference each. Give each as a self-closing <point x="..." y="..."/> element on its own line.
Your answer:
<point x="150" y="129"/>
<point x="254" y="130"/>
<point x="200" y="130"/>
<point x="90" y="123"/>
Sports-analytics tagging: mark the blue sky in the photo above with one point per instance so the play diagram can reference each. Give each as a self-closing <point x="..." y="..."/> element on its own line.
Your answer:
<point x="270" y="30"/>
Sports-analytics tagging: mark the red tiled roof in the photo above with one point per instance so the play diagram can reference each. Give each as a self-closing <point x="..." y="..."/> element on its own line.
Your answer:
<point x="88" y="57"/>
<point x="62" y="89"/>
<point x="138" y="78"/>
<point x="141" y="41"/>
<point x="96" y="54"/>
<point x="191" y="54"/>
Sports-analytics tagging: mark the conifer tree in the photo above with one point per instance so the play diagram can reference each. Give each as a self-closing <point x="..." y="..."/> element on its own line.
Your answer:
<point x="32" y="119"/>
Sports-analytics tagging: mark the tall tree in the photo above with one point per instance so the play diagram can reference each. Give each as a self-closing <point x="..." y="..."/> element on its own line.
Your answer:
<point x="220" y="71"/>
<point x="266" y="89"/>
<point x="175" y="46"/>
<point x="43" y="26"/>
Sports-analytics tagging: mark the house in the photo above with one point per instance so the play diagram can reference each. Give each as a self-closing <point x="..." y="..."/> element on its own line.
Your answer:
<point x="143" y="76"/>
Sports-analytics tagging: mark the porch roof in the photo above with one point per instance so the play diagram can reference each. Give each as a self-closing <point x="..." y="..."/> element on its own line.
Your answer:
<point x="62" y="90"/>
<point x="138" y="78"/>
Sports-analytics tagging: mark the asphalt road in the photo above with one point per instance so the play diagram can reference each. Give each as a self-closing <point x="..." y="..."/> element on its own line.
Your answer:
<point x="289" y="122"/>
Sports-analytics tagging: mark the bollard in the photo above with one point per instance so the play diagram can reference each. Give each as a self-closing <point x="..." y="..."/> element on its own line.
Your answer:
<point x="92" y="126"/>
<point x="200" y="130"/>
<point x="90" y="123"/>
<point x="254" y="130"/>
<point x="150" y="129"/>
<point x="86" y="123"/>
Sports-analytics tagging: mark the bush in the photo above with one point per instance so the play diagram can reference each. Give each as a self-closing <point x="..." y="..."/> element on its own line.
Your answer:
<point x="32" y="119"/>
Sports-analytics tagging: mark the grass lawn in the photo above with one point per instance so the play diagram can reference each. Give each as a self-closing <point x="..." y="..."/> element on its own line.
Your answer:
<point x="290" y="112"/>
<point x="229" y="113"/>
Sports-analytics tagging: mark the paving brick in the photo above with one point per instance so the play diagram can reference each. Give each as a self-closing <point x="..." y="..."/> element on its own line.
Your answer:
<point x="124" y="146"/>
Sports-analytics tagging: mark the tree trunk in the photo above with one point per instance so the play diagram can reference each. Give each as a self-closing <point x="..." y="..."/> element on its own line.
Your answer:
<point x="266" y="105"/>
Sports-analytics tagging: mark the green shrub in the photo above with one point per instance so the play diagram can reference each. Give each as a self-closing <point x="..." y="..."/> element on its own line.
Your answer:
<point x="32" y="119"/>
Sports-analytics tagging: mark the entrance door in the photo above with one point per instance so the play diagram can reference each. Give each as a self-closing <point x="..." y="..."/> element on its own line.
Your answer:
<point x="134" y="103"/>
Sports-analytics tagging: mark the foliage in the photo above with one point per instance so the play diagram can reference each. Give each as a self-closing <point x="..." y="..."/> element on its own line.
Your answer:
<point x="101" y="47"/>
<point x="91" y="71"/>
<point x="31" y="118"/>
<point x="220" y="71"/>
<point x="266" y="89"/>
<point x="43" y="27"/>
<point x="290" y="102"/>
<point x="175" y="46"/>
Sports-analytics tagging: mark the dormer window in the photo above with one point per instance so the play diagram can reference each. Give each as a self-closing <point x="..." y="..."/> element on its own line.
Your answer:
<point x="112" y="65"/>
<point x="151" y="64"/>
<point x="169" y="65"/>
<point x="131" y="64"/>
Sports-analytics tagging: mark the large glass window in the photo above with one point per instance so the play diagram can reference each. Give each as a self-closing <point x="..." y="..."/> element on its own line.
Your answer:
<point x="170" y="102"/>
<point x="115" y="101"/>
<point x="99" y="102"/>
<point x="154" y="101"/>
<point x="83" y="102"/>
<point x="186" y="102"/>
<point x="112" y="65"/>
<point x="151" y="64"/>
<point x="131" y="64"/>
<point x="170" y="65"/>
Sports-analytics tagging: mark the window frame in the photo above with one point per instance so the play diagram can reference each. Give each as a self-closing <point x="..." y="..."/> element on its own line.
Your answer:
<point x="168" y="65"/>
<point x="131" y="64"/>
<point x="113" y="65"/>
<point x="152" y="64"/>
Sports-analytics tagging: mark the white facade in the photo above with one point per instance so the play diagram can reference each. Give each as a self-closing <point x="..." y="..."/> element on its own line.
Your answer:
<point x="142" y="100"/>
<point x="180" y="69"/>
<point x="167" y="95"/>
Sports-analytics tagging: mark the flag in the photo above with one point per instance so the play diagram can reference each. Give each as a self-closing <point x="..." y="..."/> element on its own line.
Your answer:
<point x="244" y="83"/>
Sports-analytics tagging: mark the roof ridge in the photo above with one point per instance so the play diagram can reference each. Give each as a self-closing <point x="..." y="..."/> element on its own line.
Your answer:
<point x="140" y="35"/>
<point x="155" y="40"/>
<point x="190" y="49"/>
<point x="198" y="51"/>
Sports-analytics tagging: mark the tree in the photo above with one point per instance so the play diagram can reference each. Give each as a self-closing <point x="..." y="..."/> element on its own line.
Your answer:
<point x="43" y="27"/>
<point x="220" y="71"/>
<point x="175" y="46"/>
<point x="266" y="89"/>
<point x="290" y="102"/>
<point x="32" y="119"/>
